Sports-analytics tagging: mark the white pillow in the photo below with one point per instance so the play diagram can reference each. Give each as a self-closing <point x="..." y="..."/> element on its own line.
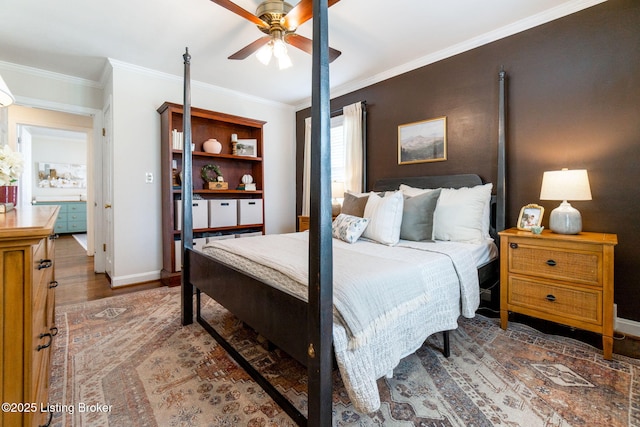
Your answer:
<point x="385" y="218"/>
<point x="460" y="214"/>
<point x="348" y="228"/>
<point x="413" y="191"/>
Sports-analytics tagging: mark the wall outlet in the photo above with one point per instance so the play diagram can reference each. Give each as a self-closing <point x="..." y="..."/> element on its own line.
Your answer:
<point x="149" y="178"/>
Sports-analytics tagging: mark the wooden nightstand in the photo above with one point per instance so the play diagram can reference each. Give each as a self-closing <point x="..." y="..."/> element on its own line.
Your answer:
<point x="566" y="279"/>
<point x="303" y="222"/>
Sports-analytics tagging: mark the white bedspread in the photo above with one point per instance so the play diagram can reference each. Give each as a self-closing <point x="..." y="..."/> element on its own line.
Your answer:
<point x="387" y="300"/>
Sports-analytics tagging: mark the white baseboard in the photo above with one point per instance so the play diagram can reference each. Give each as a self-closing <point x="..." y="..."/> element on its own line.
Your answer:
<point x="134" y="279"/>
<point x="627" y="327"/>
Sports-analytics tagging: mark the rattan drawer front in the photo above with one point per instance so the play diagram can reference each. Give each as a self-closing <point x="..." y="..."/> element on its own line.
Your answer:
<point x="557" y="301"/>
<point x="575" y="266"/>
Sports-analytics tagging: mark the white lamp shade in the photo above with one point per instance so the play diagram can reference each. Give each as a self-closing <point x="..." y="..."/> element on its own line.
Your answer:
<point x="6" y="97"/>
<point x="337" y="189"/>
<point x="565" y="185"/>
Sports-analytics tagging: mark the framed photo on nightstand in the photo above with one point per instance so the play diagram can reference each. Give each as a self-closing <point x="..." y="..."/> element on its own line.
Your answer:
<point x="530" y="216"/>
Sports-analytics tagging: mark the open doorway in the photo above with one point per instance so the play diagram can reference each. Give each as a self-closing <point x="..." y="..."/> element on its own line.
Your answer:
<point x="55" y="172"/>
<point x="45" y="138"/>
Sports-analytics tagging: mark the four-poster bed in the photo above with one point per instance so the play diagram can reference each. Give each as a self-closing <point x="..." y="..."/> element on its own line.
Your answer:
<point x="305" y="326"/>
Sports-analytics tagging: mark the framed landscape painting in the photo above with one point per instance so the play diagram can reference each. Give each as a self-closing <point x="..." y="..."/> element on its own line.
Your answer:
<point x="424" y="141"/>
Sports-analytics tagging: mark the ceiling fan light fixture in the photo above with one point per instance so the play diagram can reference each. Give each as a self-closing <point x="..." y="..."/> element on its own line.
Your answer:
<point x="280" y="52"/>
<point x="276" y="47"/>
<point x="279" y="48"/>
<point x="284" y="61"/>
<point x="264" y="53"/>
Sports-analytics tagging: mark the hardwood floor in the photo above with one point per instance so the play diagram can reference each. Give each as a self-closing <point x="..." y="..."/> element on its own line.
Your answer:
<point x="77" y="280"/>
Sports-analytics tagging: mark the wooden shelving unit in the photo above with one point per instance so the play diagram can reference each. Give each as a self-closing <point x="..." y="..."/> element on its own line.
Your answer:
<point x="205" y="125"/>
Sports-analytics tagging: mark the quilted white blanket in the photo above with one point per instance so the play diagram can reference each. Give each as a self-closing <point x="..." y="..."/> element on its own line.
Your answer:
<point x="387" y="300"/>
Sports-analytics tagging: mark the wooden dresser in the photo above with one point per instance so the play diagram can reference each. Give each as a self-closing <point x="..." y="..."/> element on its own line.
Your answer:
<point x="566" y="279"/>
<point x="27" y="302"/>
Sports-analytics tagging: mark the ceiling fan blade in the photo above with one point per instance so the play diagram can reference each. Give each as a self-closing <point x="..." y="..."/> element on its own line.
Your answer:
<point x="306" y="45"/>
<point x="242" y="12"/>
<point x="301" y="13"/>
<point x="249" y="49"/>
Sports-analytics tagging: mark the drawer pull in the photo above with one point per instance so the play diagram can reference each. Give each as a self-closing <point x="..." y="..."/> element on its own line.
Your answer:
<point x="53" y="284"/>
<point x="44" y="263"/>
<point x="513" y="245"/>
<point x="54" y="331"/>
<point x="42" y="347"/>
<point x="551" y="263"/>
<point x="551" y="298"/>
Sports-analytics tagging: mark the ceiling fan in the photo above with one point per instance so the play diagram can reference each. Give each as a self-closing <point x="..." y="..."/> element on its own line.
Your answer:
<point x="279" y="20"/>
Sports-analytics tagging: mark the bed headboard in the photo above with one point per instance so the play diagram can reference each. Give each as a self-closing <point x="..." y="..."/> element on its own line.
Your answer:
<point x="436" y="181"/>
<point x="440" y="181"/>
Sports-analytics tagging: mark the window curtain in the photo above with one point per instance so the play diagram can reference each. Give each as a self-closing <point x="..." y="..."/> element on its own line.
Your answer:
<point x="354" y="153"/>
<point x="306" y="174"/>
<point x="354" y="147"/>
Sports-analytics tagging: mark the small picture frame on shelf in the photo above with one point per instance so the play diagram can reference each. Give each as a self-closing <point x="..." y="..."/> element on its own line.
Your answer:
<point x="247" y="147"/>
<point x="530" y="216"/>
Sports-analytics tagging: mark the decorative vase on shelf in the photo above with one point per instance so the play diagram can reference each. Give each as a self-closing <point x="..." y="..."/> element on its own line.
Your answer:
<point x="9" y="194"/>
<point x="212" y="146"/>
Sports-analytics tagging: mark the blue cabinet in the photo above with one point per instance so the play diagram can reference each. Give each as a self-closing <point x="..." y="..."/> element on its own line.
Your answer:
<point x="72" y="217"/>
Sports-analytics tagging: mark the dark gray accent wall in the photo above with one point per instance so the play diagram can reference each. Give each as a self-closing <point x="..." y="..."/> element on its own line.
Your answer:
<point x="573" y="101"/>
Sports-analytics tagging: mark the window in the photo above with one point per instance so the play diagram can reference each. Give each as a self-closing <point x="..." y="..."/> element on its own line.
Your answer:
<point x="337" y="149"/>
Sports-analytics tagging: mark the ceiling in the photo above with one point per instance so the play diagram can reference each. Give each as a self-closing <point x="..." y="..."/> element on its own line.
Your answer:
<point x="378" y="39"/>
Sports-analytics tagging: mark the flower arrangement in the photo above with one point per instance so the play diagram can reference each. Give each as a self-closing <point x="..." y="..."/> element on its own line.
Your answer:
<point x="10" y="166"/>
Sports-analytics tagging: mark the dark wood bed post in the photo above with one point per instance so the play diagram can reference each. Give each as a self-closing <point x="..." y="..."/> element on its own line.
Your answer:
<point x="187" y="197"/>
<point x="320" y="321"/>
<point x="501" y="188"/>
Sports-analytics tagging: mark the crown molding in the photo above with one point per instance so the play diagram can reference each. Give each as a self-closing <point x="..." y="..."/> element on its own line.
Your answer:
<point x="57" y="106"/>
<point x="37" y="72"/>
<point x="467" y="45"/>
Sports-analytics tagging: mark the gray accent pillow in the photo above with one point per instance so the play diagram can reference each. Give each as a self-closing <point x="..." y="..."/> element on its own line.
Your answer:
<point x="354" y="204"/>
<point x="417" y="216"/>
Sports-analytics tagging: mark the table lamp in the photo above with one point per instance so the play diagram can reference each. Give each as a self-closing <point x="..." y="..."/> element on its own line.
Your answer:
<point x="6" y="97"/>
<point x="337" y="192"/>
<point x="565" y="185"/>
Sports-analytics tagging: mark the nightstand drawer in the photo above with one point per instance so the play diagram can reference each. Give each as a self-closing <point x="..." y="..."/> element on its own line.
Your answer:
<point x="577" y="266"/>
<point x="559" y="302"/>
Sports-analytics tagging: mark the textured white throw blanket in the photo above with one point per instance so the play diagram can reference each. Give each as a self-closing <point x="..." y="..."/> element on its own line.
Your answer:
<point x="387" y="300"/>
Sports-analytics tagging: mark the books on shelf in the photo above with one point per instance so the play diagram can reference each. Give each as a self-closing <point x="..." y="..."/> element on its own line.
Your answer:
<point x="177" y="140"/>
<point x="6" y="207"/>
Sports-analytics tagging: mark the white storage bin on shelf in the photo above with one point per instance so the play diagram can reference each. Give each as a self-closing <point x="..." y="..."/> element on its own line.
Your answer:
<point x="254" y="233"/>
<point x="198" y="243"/>
<point x="249" y="211"/>
<point x="221" y="237"/>
<point x="223" y="213"/>
<point x="200" y="212"/>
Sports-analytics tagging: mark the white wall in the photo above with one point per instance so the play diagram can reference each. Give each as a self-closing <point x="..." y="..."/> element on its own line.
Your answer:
<point x="137" y="93"/>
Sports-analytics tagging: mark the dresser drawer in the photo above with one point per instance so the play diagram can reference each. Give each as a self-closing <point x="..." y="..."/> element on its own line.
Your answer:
<point x="73" y="208"/>
<point x="570" y="264"/>
<point x="559" y="302"/>
<point x="76" y="226"/>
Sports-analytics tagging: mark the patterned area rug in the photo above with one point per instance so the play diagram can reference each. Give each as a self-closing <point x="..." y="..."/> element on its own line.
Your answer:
<point x="127" y="361"/>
